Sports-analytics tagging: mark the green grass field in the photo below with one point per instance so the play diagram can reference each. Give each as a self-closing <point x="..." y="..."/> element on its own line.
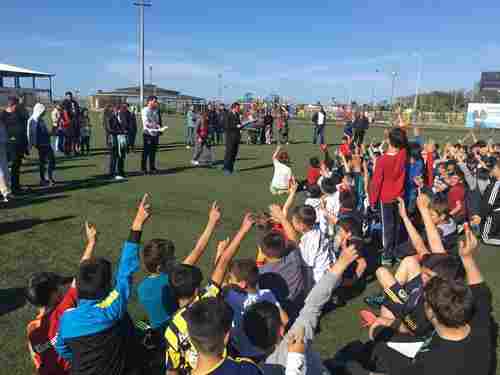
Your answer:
<point x="44" y="231"/>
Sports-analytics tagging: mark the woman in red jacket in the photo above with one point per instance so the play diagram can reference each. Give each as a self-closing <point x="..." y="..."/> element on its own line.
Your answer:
<point x="203" y="148"/>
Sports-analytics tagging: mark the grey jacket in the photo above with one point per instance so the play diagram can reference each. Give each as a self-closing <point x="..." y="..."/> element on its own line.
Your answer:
<point x="308" y="318"/>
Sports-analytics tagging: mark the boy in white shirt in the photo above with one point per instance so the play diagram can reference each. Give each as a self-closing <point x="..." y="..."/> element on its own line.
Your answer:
<point x="241" y="293"/>
<point x="331" y="203"/>
<point x="282" y="172"/>
<point x="314" y="244"/>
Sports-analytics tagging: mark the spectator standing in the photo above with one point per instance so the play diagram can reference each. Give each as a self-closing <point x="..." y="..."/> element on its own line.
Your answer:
<point x="221" y="115"/>
<point x="107" y="113"/>
<point x="360" y="126"/>
<point x="212" y="123"/>
<point x="57" y="121"/>
<point x="319" y="121"/>
<point x="268" y="127"/>
<point x="15" y="121"/>
<point x="203" y="150"/>
<point x="190" y="127"/>
<point x="39" y="137"/>
<point x="132" y="126"/>
<point x="4" y="164"/>
<point x="151" y="134"/>
<point x="73" y="109"/>
<point x="86" y="131"/>
<point x="118" y="139"/>
<point x="233" y="138"/>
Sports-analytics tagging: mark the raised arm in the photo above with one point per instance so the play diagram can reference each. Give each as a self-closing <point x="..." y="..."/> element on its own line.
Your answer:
<point x="227" y="254"/>
<point x="433" y="237"/>
<point x="278" y="216"/>
<point x="467" y="249"/>
<point x="91" y="233"/>
<point x="198" y="251"/>
<point x="276" y="152"/>
<point x="292" y="192"/>
<point x="415" y="238"/>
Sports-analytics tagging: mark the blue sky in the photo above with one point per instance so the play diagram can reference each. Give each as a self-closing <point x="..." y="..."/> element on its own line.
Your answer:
<point x="307" y="50"/>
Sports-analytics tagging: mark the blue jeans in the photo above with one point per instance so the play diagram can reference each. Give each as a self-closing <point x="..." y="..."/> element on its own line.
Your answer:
<point x="319" y="132"/>
<point x="190" y="136"/>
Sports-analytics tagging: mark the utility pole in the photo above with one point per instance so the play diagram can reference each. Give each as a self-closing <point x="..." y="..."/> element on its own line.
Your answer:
<point x="141" y="5"/>
<point x="419" y="77"/>
<point x="219" y="89"/>
<point x="394" y="76"/>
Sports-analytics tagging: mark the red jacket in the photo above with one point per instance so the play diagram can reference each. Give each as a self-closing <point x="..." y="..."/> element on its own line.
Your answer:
<point x="388" y="181"/>
<point x="202" y="131"/>
<point x="313" y="175"/>
<point x="345" y="149"/>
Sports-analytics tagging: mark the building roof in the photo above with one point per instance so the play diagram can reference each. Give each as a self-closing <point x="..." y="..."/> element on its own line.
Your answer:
<point x="15" y="71"/>
<point x="134" y="91"/>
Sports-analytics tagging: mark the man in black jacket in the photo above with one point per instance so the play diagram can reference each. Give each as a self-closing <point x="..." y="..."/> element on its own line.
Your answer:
<point x="232" y="126"/>
<point x="360" y="127"/>
<point x="73" y="108"/>
<point x="15" y="120"/>
<point x="117" y="130"/>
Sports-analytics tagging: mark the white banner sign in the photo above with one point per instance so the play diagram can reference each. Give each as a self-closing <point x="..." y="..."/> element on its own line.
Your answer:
<point x="483" y="115"/>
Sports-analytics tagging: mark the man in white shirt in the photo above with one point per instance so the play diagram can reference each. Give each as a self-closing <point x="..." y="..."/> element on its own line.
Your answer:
<point x="151" y="134"/>
<point x="319" y="120"/>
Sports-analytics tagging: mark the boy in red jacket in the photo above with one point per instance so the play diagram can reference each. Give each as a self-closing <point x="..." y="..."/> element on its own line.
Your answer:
<point x="387" y="185"/>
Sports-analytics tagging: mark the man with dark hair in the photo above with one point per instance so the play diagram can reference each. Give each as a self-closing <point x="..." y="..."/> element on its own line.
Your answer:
<point x="16" y="122"/>
<point x="151" y="123"/>
<point x="319" y="122"/>
<point x="96" y="337"/>
<point x="386" y="186"/>
<point x="232" y="126"/>
<point x="490" y="209"/>
<point x="209" y="325"/>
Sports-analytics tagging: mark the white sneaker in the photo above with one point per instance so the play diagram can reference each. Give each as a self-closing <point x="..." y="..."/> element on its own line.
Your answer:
<point x="5" y="199"/>
<point x="119" y="178"/>
<point x="188" y="147"/>
<point x="195" y="162"/>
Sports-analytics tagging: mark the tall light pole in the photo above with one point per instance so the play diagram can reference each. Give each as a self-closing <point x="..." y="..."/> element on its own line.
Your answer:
<point x="219" y="84"/>
<point x="394" y="76"/>
<point x="419" y="77"/>
<point x="141" y="5"/>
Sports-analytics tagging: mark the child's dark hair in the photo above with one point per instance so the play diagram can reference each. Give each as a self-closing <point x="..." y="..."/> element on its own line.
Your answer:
<point x="261" y="324"/>
<point x="283" y="157"/>
<point x="441" y="207"/>
<point x="314" y="191"/>
<point x="94" y="279"/>
<point x="184" y="280"/>
<point x="451" y="301"/>
<point x="329" y="185"/>
<point x="158" y="256"/>
<point x="273" y="245"/>
<point x="305" y="214"/>
<point x="351" y="226"/>
<point x="245" y="270"/>
<point x="209" y="320"/>
<point x="314" y="162"/>
<point x="347" y="200"/>
<point x="397" y="138"/>
<point x="445" y="266"/>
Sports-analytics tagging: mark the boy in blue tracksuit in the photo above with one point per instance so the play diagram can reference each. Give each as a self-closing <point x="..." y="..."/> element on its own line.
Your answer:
<point x="97" y="336"/>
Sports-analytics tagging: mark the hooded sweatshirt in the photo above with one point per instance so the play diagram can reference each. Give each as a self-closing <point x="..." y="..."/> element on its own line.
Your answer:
<point x="38" y="133"/>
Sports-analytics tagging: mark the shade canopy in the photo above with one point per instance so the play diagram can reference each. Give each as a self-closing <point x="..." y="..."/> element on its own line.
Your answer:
<point x="15" y="71"/>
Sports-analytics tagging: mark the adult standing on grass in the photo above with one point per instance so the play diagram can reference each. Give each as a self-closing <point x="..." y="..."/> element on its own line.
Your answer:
<point x="151" y="134"/>
<point x="39" y="137"/>
<point x="232" y="127"/>
<point x="360" y="125"/>
<point x="221" y="116"/>
<point x="319" y="121"/>
<point x="190" y="127"/>
<point x="4" y="164"/>
<point x="73" y="109"/>
<point x="132" y="126"/>
<point x="15" y="121"/>
<point x="117" y="131"/>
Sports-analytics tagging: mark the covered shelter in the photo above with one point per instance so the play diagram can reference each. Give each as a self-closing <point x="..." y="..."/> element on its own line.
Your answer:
<point x="30" y="95"/>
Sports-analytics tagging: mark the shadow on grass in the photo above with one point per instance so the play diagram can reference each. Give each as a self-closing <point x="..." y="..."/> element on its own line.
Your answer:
<point x="73" y="185"/>
<point x="60" y="168"/>
<point x="30" y="200"/>
<point x="12" y="299"/>
<point x="263" y="166"/>
<point x="23" y="224"/>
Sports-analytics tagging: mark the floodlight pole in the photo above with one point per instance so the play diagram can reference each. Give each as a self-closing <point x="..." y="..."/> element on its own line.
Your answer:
<point x="419" y="78"/>
<point x="141" y="5"/>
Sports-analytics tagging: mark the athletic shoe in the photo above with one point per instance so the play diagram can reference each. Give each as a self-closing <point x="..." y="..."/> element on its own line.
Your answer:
<point x="188" y="147"/>
<point x="367" y="318"/>
<point x="375" y="301"/>
<point x="5" y="198"/>
<point x="227" y="173"/>
<point x="119" y="178"/>
<point x="195" y="163"/>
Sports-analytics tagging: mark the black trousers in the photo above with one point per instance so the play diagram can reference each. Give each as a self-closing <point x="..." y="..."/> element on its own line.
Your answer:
<point x="359" y="136"/>
<point x="232" y="147"/>
<point x="15" y="156"/>
<point x="132" y="135"/>
<point x="47" y="162"/>
<point x="391" y="228"/>
<point x="149" y="152"/>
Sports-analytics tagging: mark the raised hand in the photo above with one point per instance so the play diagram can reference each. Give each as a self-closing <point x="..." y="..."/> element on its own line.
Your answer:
<point x="221" y="247"/>
<point x="91" y="232"/>
<point x="296" y="342"/>
<point x="423" y="202"/>
<point x="214" y="215"/>
<point x="402" y="208"/>
<point x="277" y="213"/>
<point x="143" y="213"/>
<point x="348" y="255"/>
<point x="294" y="186"/>
<point x="248" y="222"/>
<point x="468" y="247"/>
